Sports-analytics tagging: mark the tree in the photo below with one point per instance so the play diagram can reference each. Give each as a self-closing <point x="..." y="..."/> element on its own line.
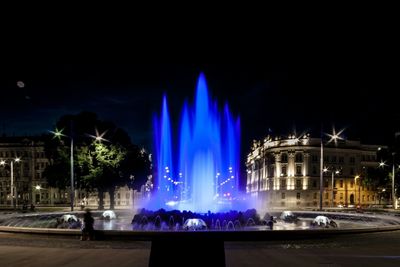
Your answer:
<point x="102" y="161"/>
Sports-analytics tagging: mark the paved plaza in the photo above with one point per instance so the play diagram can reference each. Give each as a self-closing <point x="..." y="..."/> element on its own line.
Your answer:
<point x="377" y="249"/>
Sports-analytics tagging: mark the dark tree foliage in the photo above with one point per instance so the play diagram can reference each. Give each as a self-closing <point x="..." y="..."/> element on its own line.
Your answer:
<point x="101" y="163"/>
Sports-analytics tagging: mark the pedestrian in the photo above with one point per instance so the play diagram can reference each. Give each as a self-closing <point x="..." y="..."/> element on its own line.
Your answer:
<point x="271" y="222"/>
<point x="87" y="229"/>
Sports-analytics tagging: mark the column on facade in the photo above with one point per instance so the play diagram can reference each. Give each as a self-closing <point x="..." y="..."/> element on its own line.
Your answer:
<point x="265" y="175"/>
<point x="277" y="171"/>
<point x="291" y="173"/>
<point x="306" y="165"/>
<point x="253" y="176"/>
<point x="248" y="182"/>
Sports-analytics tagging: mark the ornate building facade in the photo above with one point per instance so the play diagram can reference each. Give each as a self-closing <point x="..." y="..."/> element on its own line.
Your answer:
<point x="28" y="160"/>
<point x="285" y="172"/>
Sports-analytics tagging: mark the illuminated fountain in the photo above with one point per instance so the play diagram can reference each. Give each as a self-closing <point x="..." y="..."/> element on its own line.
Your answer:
<point x="200" y="172"/>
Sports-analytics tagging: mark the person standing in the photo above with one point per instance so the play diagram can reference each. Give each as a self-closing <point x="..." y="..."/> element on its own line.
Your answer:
<point x="87" y="230"/>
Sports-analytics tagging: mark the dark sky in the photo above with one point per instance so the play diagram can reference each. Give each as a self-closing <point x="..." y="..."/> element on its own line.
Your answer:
<point x="292" y="93"/>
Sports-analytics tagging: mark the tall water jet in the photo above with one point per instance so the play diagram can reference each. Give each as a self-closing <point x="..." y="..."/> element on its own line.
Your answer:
<point x="207" y="162"/>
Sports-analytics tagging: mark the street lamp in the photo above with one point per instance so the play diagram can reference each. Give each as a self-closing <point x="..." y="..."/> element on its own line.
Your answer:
<point x="98" y="138"/>
<point x="334" y="137"/>
<point x="394" y="198"/>
<point x="355" y="183"/>
<point x="58" y="134"/>
<point x="13" y="188"/>
<point x="393" y="195"/>
<point x="333" y="177"/>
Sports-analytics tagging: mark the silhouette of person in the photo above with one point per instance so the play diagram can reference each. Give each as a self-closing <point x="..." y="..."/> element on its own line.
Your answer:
<point x="271" y="222"/>
<point x="88" y="230"/>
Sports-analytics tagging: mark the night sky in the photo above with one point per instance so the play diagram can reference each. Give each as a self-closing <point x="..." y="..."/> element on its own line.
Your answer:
<point x="283" y="96"/>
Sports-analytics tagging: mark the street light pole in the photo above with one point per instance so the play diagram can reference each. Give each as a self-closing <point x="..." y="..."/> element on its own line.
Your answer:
<point x="334" y="137"/>
<point x="333" y="197"/>
<point x="394" y="201"/>
<point x="12" y="183"/>
<point x="321" y="179"/>
<point x="72" y="174"/>
<point x="58" y="133"/>
<point x="12" y="187"/>
<point x="359" y="187"/>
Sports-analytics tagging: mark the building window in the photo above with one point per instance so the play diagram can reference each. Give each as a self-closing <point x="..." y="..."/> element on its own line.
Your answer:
<point x="314" y="183"/>
<point x="298" y="196"/>
<point x="284" y="171"/>
<point x="341" y="196"/>
<point x="363" y="198"/>
<point x="326" y="196"/>
<point x="283" y="184"/>
<point x="283" y="195"/>
<point x="373" y="198"/>
<point x="284" y="158"/>
<point x="314" y="158"/>
<point x="368" y="198"/>
<point x="351" y="184"/>
<point x="315" y="195"/>
<point x="127" y="195"/>
<point x="314" y="169"/>
<point x="298" y="183"/>
<point x="341" y="159"/>
<point x="352" y="160"/>
<point x="341" y="183"/>
<point x="326" y="184"/>
<point x="334" y="159"/>
<point x="298" y="170"/>
<point x="299" y="157"/>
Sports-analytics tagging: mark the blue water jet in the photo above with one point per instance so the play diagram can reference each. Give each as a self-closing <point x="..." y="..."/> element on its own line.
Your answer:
<point x="203" y="173"/>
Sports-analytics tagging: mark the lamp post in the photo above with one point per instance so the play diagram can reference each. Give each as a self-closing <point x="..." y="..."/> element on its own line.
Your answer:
<point x="394" y="198"/>
<point x="333" y="179"/>
<point x="359" y="193"/>
<point x="58" y="133"/>
<point x="12" y="187"/>
<point x="334" y="137"/>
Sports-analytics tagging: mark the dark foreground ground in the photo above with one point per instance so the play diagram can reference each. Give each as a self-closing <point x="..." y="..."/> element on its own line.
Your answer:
<point x="377" y="249"/>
